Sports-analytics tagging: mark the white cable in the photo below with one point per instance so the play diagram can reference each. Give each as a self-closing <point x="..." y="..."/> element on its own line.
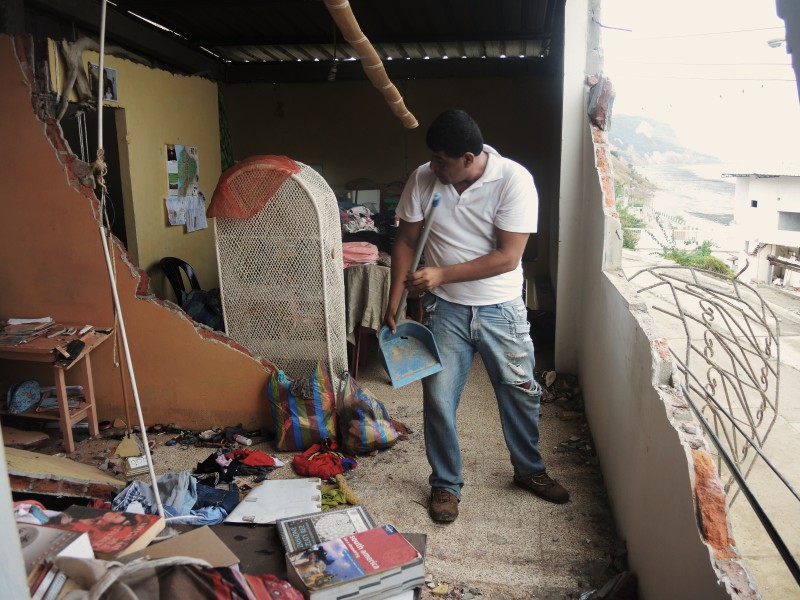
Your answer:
<point x="100" y="73"/>
<point x="117" y="307"/>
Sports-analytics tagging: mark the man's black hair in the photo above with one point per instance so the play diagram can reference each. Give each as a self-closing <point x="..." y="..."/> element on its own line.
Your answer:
<point x="455" y="133"/>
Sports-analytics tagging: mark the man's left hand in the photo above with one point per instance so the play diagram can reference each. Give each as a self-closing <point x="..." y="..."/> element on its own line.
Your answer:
<point x="423" y="280"/>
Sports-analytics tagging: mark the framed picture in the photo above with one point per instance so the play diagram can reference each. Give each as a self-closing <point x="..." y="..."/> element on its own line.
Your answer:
<point x="109" y="82"/>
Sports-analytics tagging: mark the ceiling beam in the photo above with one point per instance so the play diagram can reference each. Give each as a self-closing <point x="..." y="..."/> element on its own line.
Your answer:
<point x="398" y="70"/>
<point x="133" y="35"/>
<point x="408" y="39"/>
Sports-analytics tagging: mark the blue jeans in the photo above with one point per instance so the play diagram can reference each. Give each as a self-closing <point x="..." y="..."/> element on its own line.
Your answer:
<point x="500" y="333"/>
<point x="208" y="496"/>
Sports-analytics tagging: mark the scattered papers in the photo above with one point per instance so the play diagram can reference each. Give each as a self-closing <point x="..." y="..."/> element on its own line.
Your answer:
<point x="278" y="499"/>
<point x="40" y="321"/>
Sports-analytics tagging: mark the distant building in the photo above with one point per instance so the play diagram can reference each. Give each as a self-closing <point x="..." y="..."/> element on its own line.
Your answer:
<point x="767" y="213"/>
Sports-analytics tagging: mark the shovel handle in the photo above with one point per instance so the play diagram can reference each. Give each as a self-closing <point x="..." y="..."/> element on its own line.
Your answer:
<point x="423" y="237"/>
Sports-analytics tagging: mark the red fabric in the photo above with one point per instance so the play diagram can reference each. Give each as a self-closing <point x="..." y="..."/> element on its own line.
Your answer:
<point x="251" y="458"/>
<point x="245" y="188"/>
<point x="269" y="587"/>
<point x="319" y="461"/>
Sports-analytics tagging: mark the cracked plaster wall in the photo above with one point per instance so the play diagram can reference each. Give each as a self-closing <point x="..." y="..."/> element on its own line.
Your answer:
<point x="666" y="502"/>
<point x="53" y="264"/>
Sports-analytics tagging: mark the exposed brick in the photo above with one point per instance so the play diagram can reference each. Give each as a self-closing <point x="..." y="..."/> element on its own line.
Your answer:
<point x="601" y="101"/>
<point x="661" y="346"/>
<point x="711" y="512"/>
<point x="72" y="488"/>
<point x="101" y="491"/>
<point x="143" y="287"/>
<point x="19" y="484"/>
<point x="44" y="486"/>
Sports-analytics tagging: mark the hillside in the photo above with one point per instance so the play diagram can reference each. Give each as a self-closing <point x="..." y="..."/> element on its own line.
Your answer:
<point x="655" y="170"/>
<point x="642" y="141"/>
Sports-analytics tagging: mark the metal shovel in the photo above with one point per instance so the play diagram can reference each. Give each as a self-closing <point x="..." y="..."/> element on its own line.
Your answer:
<point x="410" y="353"/>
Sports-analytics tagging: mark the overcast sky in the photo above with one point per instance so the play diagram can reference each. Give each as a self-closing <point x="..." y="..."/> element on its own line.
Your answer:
<point x="706" y="67"/>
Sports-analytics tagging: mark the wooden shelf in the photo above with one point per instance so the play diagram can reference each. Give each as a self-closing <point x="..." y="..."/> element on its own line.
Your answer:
<point x="46" y="350"/>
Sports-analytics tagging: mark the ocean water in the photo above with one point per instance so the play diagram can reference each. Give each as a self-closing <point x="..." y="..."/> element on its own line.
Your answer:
<point x="701" y="196"/>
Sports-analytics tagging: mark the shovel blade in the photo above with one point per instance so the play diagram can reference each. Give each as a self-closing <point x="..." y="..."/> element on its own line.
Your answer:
<point x="409" y="354"/>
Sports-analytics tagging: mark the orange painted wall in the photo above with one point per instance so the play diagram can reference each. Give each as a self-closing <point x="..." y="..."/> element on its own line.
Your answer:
<point x="53" y="264"/>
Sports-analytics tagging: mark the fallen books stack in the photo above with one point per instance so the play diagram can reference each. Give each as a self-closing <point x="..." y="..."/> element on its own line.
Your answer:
<point x="49" y="399"/>
<point x="305" y="531"/>
<point x="19" y="331"/>
<point x="40" y="546"/>
<point x="112" y="534"/>
<point x="375" y="563"/>
<point x="134" y="466"/>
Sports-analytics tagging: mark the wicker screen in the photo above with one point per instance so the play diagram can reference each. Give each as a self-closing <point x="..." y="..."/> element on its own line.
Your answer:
<point x="281" y="273"/>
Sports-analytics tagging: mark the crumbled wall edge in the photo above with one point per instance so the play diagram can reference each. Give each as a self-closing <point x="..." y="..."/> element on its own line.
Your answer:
<point x="44" y="108"/>
<point x="708" y="496"/>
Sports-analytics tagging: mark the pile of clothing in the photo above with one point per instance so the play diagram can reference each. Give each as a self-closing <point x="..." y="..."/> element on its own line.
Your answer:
<point x="359" y="253"/>
<point x="356" y="218"/>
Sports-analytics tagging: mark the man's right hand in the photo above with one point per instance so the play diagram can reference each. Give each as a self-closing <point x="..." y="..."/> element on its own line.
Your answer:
<point x="402" y="256"/>
<point x="388" y="319"/>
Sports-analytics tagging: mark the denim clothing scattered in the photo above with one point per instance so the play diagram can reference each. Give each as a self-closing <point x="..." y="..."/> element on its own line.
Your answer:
<point x="181" y="496"/>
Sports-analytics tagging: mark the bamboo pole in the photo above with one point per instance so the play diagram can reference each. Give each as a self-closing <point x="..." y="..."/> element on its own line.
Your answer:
<point x="345" y="20"/>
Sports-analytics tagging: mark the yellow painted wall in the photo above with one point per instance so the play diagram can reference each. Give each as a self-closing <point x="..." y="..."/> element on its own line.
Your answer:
<point x="53" y="264"/>
<point x="160" y="108"/>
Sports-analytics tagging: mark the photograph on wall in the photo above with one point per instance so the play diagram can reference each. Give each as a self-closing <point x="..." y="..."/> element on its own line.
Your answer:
<point x="196" y="213"/>
<point x="109" y="82"/>
<point x="176" y="210"/>
<point x="183" y="170"/>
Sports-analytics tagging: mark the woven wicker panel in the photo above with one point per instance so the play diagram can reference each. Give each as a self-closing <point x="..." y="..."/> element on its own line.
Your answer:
<point x="281" y="275"/>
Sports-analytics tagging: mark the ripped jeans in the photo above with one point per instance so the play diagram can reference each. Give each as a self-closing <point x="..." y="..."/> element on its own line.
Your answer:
<point x="500" y="333"/>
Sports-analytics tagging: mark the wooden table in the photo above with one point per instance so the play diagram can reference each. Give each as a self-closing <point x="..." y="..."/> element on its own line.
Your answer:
<point x="44" y="350"/>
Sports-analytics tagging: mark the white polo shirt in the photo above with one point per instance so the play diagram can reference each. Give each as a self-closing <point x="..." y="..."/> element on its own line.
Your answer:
<point x="463" y="227"/>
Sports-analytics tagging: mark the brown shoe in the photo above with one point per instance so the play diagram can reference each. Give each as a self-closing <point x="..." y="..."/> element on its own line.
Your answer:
<point x="544" y="487"/>
<point x="443" y="507"/>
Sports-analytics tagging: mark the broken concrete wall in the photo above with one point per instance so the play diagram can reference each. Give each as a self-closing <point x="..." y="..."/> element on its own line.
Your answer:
<point x="53" y="264"/>
<point x="674" y="526"/>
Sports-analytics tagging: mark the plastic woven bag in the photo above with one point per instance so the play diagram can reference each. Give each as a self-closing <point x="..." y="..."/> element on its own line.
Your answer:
<point x="303" y="410"/>
<point x="364" y="423"/>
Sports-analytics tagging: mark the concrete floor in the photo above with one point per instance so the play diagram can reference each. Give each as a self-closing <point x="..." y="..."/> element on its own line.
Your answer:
<point x="506" y="543"/>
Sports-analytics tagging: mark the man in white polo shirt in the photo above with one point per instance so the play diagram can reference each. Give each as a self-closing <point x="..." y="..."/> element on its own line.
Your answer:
<point x="472" y="286"/>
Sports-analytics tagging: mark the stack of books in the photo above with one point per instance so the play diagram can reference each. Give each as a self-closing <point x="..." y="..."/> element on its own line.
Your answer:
<point x="18" y="331"/>
<point x="49" y="399"/>
<point x="342" y="554"/>
<point x="80" y="532"/>
<point x="134" y="466"/>
<point x="112" y="534"/>
<point x="40" y="546"/>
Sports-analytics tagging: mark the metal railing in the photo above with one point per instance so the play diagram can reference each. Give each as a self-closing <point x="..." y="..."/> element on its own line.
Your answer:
<point x="725" y="341"/>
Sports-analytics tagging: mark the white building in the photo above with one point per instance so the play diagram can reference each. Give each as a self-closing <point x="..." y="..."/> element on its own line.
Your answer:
<point x="767" y="213"/>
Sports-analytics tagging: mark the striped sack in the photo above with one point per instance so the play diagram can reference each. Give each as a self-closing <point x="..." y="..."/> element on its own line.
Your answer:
<point x="302" y="410"/>
<point x="364" y="424"/>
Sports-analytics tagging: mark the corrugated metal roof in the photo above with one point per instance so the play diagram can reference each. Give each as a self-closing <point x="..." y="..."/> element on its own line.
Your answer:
<point x="303" y="30"/>
<point x="239" y="34"/>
